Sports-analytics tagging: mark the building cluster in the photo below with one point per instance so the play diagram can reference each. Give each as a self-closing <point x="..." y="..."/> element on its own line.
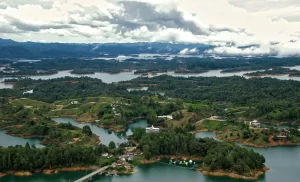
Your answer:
<point x="114" y="110"/>
<point x="283" y="134"/>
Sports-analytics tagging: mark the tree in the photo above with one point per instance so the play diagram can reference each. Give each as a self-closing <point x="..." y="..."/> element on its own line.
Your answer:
<point x="112" y="145"/>
<point x="87" y="130"/>
<point x="146" y="151"/>
<point x="138" y="133"/>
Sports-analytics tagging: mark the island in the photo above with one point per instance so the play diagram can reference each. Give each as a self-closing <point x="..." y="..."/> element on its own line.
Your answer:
<point x="82" y="72"/>
<point x="277" y="71"/>
<point x="217" y="157"/>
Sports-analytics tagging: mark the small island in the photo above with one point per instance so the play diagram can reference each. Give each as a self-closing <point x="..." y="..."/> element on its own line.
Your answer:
<point x="277" y="71"/>
<point x="82" y="72"/>
<point x="218" y="158"/>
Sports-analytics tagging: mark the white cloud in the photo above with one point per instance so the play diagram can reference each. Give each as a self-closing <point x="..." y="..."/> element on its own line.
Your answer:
<point x="236" y="26"/>
<point x="189" y="51"/>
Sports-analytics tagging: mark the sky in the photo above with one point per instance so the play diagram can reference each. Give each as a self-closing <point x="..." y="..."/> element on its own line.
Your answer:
<point x="235" y="27"/>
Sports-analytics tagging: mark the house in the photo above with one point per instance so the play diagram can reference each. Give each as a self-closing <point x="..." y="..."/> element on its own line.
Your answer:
<point x="104" y="155"/>
<point x="152" y="129"/>
<point x="283" y="134"/>
<point x="255" y="124"/>
<point x="74" y="102"/>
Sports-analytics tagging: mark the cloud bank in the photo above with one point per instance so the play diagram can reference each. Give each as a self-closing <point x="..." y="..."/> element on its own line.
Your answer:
<point x="235" y="27"/>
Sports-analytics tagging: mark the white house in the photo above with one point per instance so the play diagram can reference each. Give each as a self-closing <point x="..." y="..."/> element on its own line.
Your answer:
<point x="255" y="123"/>
<point x="168" y="117"/>
<point x="74" y="102"/>
<point x="152" y="129"/>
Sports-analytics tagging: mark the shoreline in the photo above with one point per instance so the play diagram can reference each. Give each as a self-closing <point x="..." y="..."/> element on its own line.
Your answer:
<point x="25" y="136"/>
<point x="263" y="75"/>
<point x="268" y="145"/>
<point x="58" y="170"/>
<point x="256" y="174"/>
<point x="199" y="131"/>
<point x="47" y="171"/>
<point x="158" y="158"/>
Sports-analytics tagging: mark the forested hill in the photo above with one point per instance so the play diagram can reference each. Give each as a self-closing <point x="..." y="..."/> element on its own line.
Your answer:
<point x="232" y="89"/>
<point x="29" y="50"/>
<point x="216" y="155"/>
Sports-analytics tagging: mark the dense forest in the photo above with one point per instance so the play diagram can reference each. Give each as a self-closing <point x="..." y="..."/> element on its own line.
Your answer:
<point x="29" y="159"/>
<point x="266" y="98"/>
<point x="216" y="155"/>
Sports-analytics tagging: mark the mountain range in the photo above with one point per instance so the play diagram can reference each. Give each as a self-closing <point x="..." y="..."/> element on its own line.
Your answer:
<point x="28" y="50"/>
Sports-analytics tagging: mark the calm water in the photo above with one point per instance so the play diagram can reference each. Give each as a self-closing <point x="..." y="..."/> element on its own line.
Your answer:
<point x="205" y="134"/>
<point x="283" y="161"/>
<point x="105" y="135"/>
<point x="7" y="140"/>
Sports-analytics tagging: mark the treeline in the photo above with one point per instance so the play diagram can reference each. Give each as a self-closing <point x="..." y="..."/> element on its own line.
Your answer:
<point x="275" y="71"/>
<point x="26" y="72"/>
<point x="216" y="155"/>
<point x="29" y="159"/>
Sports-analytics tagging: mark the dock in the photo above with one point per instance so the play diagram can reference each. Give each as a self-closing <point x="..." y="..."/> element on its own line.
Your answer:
<point x="89" y="176"/>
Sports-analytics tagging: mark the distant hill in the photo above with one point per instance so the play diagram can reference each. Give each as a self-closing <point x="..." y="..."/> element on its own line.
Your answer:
<point x="12" y="49"/>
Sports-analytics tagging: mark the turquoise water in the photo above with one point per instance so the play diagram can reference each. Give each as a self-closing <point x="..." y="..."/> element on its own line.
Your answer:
<point x="105" y="135"/>
<point x="205" y="134"/>
<point x="8" y="140"/>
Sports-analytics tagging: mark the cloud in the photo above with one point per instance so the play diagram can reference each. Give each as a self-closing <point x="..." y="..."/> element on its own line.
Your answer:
<point x="235" y="27"/>
<point x="189" y="51"/>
